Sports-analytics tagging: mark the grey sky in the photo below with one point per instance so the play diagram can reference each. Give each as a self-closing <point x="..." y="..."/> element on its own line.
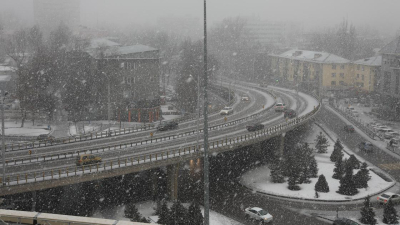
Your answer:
<point x="378" y="14"/>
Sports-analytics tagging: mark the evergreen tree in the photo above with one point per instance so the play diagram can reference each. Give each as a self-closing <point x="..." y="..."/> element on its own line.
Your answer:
<point x="313" y="168"/>
<point x="322" y="185"/>
<point x="367" y="213"/>
<point x="277" y="172"/>
<point x="293" y="170"/>
<point x="178" y="214"/>
<point x="347" y="184"/>
<point x="338" y="171"/>
<point x="353" y="162"/>
<point x="132" y="212"/>
<point x="194" y="214"/>
<point x="337" y="151"/>
<point x="362" y="177"/>
<point x="390" y="213"/>
<point x="164" y="216"/>
<point x="321" y="143"/>
<point x="305" y="157"/>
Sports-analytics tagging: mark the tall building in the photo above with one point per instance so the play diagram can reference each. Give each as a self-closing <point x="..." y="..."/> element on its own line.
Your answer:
<point x="49" y="14"/>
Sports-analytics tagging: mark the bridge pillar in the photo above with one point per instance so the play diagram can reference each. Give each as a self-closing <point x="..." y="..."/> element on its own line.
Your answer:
<point x="281" y="144"/>
<point x="172" y="179"/>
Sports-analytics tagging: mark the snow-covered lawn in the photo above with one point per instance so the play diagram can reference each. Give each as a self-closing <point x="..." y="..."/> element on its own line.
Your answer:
<point x="15" y="129"/>
<point x="147" y="209"/>
<point x="259" y="178"/>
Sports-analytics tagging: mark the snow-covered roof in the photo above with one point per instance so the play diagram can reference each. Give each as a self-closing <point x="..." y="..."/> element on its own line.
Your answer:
<point x="123" y="50"/>
<point x="312" y="56"/>
<point x="371" y="61"/>
<point x="5" y="78"/>
<point x="392" y="48"/>
<point x="102" y="42"/>
<point x="6" y="68"/>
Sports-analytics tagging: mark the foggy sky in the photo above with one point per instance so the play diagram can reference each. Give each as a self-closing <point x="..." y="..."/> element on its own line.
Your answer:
<point x="382" y="15"/>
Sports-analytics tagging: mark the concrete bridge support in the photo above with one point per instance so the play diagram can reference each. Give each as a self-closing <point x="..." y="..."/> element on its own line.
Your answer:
<point x="172" y="179"/>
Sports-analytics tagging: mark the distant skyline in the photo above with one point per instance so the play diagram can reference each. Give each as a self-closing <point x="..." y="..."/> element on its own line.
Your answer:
<point x="381" y="15"/>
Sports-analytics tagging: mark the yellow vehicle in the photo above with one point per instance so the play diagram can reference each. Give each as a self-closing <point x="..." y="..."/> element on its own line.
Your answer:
<point x="87" y="159"/>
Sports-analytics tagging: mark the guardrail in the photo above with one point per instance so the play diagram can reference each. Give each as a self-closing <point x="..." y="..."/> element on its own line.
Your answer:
<point x="48" y="157"/>
<point x="184" y="153"/>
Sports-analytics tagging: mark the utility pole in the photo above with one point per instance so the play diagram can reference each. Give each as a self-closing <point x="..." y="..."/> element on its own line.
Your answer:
<point x="206" y="166"/>
<point x="3" y="142"/>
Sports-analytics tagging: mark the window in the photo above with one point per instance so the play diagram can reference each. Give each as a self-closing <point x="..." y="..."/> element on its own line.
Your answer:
<point x="341" y="83"/>
<point x="342" y="75"/>
<point x="333" y="74"/>
<point x="358" y="75"/>
<point x="342" y="67"/>
<point x="333" y="66"/>
<point x="333" y="83"/>
<point x="122" y="65"/>
<point x="362" y="77"/>
<point x="362" y="68"/>
<point x="358" y="67"/>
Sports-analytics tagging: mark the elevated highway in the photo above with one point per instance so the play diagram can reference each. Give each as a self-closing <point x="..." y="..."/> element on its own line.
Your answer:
<point x="53" y="166"/>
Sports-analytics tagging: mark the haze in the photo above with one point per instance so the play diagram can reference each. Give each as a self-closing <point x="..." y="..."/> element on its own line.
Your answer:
<point x="379" y="15"/>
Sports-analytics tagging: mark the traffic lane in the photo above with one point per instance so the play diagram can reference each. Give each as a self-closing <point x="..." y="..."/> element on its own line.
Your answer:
<point x="377" y="157"/>
<point x="232" y="199"/>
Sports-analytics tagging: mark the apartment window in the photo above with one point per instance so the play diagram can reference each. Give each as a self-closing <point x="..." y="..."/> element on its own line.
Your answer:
<point x="333" y="66"/>
<point x="358" y="75"/>
<point x="122" y="65"/>
<point x="333" y="74"/>
<point x="342" y="67"/>
<point x="362" y="68"/>
<point x="358" y="67"/>
<point x="341" y="83"/>
<point x="362" y="77"/>
<point x="333" y="83"/>
<point x="342" y="75"/>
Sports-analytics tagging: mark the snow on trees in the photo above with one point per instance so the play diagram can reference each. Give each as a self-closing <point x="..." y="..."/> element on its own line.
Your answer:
<point x="321" y="185"/>
<point x="347" y="185"/>
<point x="338" y="170"/>
<point x="362" y="177"/>
<point x="321" y="143"/>
<point x="367" y="213"/>
<point x="390" y="213"/>
<point x="337" y="151"/>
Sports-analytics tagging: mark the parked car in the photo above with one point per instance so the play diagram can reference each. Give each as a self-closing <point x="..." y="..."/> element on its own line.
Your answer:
<point x="87" y="159"/>
<point x="259" y="214"/>
<point x="254" y="127"/>
<point x="395" y="141"/>
<point x="366" y="146"/>
<point x="344" y="221"/>
<point x="389" y="135"/>
<point x="226" y="111"/>
<point x="280" y="107"/>
<point x="45" y="137"/>
<point x="349" y="128"/>
<point x="379" y="127"/>
<point x="245" y="98"/>
<point x="384" y="198"/>
<point x="290" y="113"/>
<point x="386" y="130"/>
<point x="168" y="125"/>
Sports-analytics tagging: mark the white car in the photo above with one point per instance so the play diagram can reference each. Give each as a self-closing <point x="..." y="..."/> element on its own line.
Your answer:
<point x="245" y="98"/>
<point x="389" y="135"/>
<point x="280" y="107"/>
<point x="259" y="214"/>
<point x="384" y="198"/>
<point x="226" y="111"/>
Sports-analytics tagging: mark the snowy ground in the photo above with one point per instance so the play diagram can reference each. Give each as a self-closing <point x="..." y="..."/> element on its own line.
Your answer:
<point x="259" y="178"/>
<point x="15" y="129"/>
<point x="147" y="209"/>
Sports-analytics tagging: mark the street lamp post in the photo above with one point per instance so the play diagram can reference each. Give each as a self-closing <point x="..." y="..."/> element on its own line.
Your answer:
<point x="108" y="103"/>
<point x="198" y="108"/>
<point x="3" y="143"/>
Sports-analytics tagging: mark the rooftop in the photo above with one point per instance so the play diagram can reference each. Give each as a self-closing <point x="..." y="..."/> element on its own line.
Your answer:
<point x="371" y="61"/>
<point x="392" y="48"/>
<point x="313" y="56"/>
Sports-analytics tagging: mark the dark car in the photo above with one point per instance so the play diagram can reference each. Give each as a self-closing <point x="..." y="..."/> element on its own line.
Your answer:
<point x="290" y="113"/>
<point x="366" y="146"/>
<point x="254" y="127"/>
<point x="349" y="128"/>
<point x="167" y="125"/>
<point x="344" y="221"/>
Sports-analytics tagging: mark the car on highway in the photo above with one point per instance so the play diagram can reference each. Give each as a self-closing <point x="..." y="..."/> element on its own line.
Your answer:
<point x="280" y="107"/>
<point x="167" y="125"/>
<point x="259" y="214"/>
<point x="226" y="111"/>
<point x="245" y="98"/>
<point x="45" y="137"/>
<point x="344" y="221"/>
<point x="391" y="134"/>
<point x="384" y="198"/>
<point x="366" y="146"/>
<point x="349" y="128"/>
<point x="289" y="113"/>
<point x="87" y="159"/>
<point x="254" y="127"/>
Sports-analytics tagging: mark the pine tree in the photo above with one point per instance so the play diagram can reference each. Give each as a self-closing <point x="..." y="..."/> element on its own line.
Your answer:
<point x="367" y="213"/>
<point x="164" y="216"/>
<point x="347" y="184"/>
<point x="313" y="168"/>
<point x="322" y="185"/>
<point x="390" y="213"/>
<point x="132" y="212"/>
<point x="178" y="214"/>
<point x="337" y="151"/>
<point x="305" y="156"/>
<point x="293" y="170"/>
<point x="338" y="171"/>
<point x="194" y="214"/>
<point x="321" y="143"/>
<point x="277" y="172"/>
<point x="362" y="177"/>
<point x="353" y="162"/>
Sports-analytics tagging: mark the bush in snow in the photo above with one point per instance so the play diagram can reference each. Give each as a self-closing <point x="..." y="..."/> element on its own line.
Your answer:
<point x="367" y="213"/>
<point x="133" y="214"/>
<point x="277" y="172"/>
<point x="337" y="151"/>
<point x="347" y="184"/>
<point x="313" y="168"/>
<point x="194" y="214"/>
<point x="338" y="171"/>
<point x="178" y="214"/>
<point x="390" y="213"/>
<point x="305" y="159"/>
<point x="362" y="177"/>
<point x="322" y="185"/>
<point x="321" y="143"/>
<point x="164" y="214"/>
<point x="353" y="162"/>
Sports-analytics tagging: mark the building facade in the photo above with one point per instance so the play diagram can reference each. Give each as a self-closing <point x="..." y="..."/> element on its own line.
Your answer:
<point x="389" y="82"/>
<point x="366" y="72"/>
